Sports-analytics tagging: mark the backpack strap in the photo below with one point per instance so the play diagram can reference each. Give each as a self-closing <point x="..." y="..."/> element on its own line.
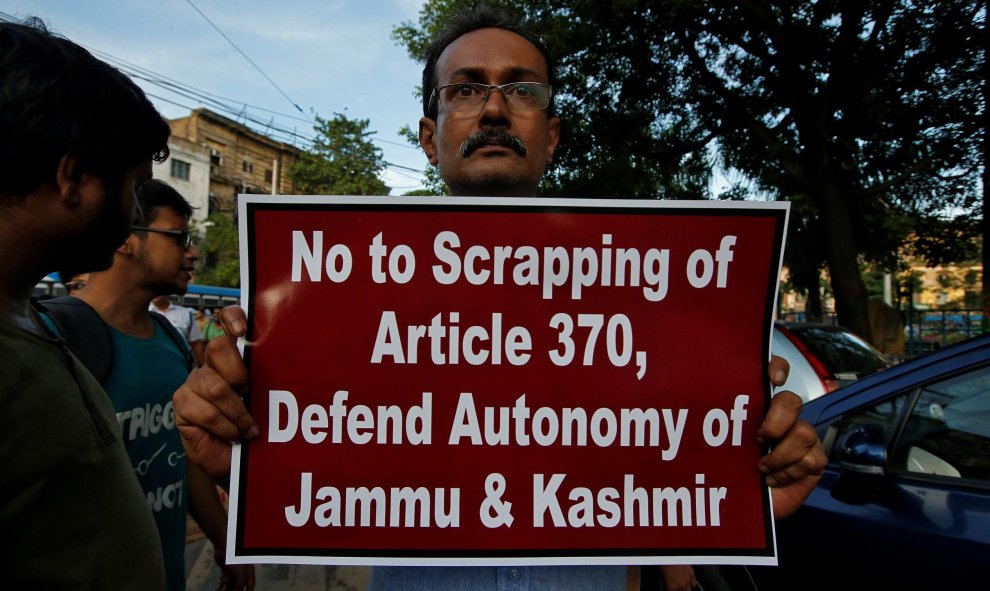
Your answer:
<point x="177" y="338"/>
<point x="84" y="333"/>
<point x="89" y="338"/>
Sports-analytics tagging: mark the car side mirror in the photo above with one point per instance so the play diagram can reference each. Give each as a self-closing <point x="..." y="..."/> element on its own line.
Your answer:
<point x="861" y="452"/>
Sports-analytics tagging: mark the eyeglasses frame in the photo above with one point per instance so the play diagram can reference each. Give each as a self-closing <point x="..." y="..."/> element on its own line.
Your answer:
<point x="183" y="237"/>
<point x="435" y="95"/>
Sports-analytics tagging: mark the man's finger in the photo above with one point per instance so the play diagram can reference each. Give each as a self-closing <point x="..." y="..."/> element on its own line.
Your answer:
<point x="784" y="410"/>
<point x="209" y="453"/>
<point x="234" y="321"/>
<point x="223" y="357"/>
<point x="208" y="402"/>
<point x="779" y="369"/>
<point x="794" y="457"/>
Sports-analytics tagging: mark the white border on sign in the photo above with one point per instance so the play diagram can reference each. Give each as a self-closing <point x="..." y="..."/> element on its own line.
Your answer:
<point x="243" y="200"/>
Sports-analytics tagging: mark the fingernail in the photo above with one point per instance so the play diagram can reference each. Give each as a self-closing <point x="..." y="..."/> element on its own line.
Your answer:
<point x="771" y="482"/>
<point x="238" y="327"/>
<point x="764" y="469"/>
<point x="779" y="376"/>
<point x="252" y="432"/>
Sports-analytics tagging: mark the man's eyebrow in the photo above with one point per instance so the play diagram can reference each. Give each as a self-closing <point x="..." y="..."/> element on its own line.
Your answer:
<point x="512" y="74"/>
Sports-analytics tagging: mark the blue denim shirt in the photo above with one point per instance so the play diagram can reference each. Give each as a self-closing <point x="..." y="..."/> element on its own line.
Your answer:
<point x="502" y="578"/>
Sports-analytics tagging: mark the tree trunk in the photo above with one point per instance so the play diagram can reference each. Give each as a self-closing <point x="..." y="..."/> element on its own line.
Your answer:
<point x="813" y="307"/>
<point x="843" y="261"/>
<point x="985" y="226"/>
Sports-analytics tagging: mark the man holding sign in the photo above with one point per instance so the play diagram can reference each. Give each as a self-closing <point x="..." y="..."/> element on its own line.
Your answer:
<point x="488" y="125"/>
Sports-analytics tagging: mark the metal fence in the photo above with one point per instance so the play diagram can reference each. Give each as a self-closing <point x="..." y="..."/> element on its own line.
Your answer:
<point x="927" y="330"/>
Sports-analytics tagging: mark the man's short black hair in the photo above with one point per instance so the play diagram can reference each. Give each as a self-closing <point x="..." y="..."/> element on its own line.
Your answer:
<point x="155" y="194"/>
<point x="481" y="17"/>
<point x="57" y="99"/>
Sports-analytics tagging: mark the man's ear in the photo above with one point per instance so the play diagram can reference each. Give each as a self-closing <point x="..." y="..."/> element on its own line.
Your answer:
<point x="553" y="136"/>
<point x="74" y="185"/>
<point x="129" y="245"/>
<point x="427" y="138"/>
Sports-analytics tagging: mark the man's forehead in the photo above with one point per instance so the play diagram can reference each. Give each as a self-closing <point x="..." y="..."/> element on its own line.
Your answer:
<point x="166" y="217"/>
<point x="491" y="51"/>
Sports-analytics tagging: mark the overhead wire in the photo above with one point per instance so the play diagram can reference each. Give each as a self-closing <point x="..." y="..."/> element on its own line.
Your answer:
<point x="233" y="107"/>
<point x="249" y="60"/>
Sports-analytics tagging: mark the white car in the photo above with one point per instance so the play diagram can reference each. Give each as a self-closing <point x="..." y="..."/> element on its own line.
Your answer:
<point x="823" y="357"/>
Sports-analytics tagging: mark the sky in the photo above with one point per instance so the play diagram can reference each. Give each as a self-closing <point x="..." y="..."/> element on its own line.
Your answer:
<point x="326" y="56"/>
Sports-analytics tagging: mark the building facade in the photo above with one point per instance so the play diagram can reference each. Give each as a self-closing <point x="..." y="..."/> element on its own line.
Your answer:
<point x="240" y="160"/>
<point x="187" y="170"/>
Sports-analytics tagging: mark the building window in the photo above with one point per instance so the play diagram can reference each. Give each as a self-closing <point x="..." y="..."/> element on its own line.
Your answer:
<point x="216" y="157"/>
<point x="180" y="169"/>
<point x="268" y="175"/>
<point x="247" y="167"/>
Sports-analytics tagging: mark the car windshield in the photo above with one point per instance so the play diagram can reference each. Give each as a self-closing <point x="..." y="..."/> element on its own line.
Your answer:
<point x="842" y="352"/>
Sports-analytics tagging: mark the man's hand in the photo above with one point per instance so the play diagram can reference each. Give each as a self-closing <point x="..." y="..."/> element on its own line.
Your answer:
<point x="208" y="408"/>
<point x="234" y="577"/>
<point x="678" y="577"/>
<point x="797" y="459"/>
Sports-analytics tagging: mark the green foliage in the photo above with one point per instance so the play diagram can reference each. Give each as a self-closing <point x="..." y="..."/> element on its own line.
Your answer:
<point x="433" y="185"/>
<point x="219" y="262"/>
<point x="866" y="114"/>
<point x="342" y="160"/>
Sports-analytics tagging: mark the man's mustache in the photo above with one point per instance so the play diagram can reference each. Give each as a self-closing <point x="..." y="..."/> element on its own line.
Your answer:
<point x="494" y="136"/>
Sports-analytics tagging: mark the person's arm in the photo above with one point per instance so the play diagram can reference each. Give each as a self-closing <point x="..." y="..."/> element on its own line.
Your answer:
<point x="209" y="513"/>
<point x="195" y="339"/>
<point x="678" y="577"/>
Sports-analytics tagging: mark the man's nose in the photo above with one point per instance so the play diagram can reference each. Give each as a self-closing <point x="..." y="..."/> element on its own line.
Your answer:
<point x="192" y="252"/>
<point x="496" y="108"/>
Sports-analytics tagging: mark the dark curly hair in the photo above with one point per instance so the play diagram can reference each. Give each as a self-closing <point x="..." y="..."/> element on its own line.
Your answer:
<point x="57" y="99"/>
<point x="155" y="194"/>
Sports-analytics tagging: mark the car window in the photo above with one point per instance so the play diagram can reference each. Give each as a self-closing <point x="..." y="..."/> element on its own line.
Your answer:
<point x="842" y="352"/>
<point x="885" y="414"/>
<point x="948" y="430"/>
<point x="946" y="433"/>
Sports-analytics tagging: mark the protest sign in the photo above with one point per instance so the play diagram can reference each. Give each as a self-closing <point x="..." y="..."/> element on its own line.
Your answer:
<point x="481" y="381"/>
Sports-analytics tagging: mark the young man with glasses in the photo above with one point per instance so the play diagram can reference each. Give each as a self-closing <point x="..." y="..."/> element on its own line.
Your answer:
<point x="148" y="360"/>
<point x="76" y="138"/>
<point x="181" y="317"/>
<point x="490" y="128"/>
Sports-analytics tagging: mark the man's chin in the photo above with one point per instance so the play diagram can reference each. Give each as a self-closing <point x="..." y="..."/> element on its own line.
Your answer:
<point x="499" y="183"/>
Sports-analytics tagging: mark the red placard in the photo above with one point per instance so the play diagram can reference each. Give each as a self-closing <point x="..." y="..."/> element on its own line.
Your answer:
<point x="482" y="381"/>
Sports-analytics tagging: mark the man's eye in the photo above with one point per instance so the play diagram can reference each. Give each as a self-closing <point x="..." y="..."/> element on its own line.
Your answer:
<point x="523" y="91"/>
<point x="465" y="90"/>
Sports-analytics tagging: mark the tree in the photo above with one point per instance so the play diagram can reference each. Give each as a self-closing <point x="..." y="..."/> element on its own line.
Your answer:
<point x="433" y="185"/>
<point x="865" y="113"/>
<point x="342" y="160"/>
<point x="219" y="262"/>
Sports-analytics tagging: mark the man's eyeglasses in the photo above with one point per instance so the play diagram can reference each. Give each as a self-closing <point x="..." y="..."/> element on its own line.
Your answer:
<point x="183" y="237"/>
<point x="471" y="96"/>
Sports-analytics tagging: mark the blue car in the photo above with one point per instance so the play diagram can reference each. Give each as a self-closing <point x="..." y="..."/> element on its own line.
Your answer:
<point x="905" y="499"/>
